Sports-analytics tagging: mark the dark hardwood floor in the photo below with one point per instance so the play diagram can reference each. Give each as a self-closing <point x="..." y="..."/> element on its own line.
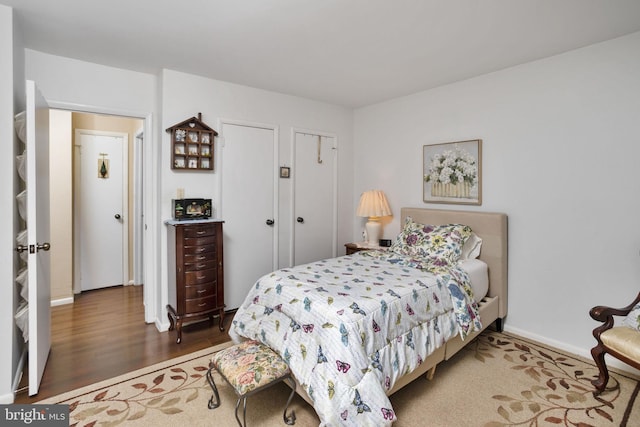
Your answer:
<point x="103" y="334"/>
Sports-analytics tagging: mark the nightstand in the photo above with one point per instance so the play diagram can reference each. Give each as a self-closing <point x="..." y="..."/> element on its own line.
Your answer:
<point x="362" y="246"/>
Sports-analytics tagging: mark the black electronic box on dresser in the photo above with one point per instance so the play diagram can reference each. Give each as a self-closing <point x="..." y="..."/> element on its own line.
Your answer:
<point x="196" y="276"/>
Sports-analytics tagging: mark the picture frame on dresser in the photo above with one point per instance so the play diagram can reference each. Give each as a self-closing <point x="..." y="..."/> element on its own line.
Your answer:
<point x="452" y="172"/>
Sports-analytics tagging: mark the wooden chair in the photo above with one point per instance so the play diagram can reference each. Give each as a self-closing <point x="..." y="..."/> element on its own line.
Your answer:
<point x="621" y="342"/>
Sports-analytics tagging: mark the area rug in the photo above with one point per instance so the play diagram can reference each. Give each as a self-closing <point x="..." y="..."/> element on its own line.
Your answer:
<point x="498" y="380"/>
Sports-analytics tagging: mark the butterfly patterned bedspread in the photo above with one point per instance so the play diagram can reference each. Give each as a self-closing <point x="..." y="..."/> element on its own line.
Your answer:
<point x="349" y="327"/>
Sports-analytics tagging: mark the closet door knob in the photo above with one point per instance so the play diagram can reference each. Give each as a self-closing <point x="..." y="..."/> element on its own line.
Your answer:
<point x="300" y="219"/>
<point x="117" y="216"/>
<point x="270" y="222"/>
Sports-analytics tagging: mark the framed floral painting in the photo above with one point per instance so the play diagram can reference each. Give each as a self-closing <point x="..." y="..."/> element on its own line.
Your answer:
<point x="452" y="172"/>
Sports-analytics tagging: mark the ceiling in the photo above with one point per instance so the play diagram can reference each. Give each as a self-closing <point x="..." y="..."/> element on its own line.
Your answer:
<point x="346" y="52"/>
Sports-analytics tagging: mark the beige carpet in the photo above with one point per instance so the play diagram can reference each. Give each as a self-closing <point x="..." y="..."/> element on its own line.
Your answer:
<point x="499" y="380"/>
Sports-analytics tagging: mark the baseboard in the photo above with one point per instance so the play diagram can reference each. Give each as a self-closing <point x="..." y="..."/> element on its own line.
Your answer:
<point x="577" y="351"/>
<point x="61" y="301"/>
<point x="162" y="326"/>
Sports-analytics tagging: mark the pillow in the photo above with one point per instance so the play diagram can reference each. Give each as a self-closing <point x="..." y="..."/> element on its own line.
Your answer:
<point x="471" y="248"/>
<point x="434" y="243"/>
<point x="633" y="318"/>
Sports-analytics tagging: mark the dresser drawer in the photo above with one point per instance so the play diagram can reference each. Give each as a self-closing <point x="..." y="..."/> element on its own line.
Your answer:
<point x="200" y="276"/>
<point x="200" y="258"/>
<point x="200" y="291"/>
<point x="196" y="250"/>
<point x="199" y="231"/>
<point x="200" y="304"/>
<point x="200" y="241"/>
<point x="199" y="265"/>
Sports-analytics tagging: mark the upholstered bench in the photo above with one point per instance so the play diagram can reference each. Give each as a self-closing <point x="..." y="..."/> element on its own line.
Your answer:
<point x="249" y="367"/>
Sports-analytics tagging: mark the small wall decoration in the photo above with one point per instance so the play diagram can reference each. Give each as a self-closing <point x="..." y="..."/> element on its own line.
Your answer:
<point x="103" y="166"/>
<point x="192" y="145"/>
<point x="452" y="172"/>
<point x="285" y="172"/>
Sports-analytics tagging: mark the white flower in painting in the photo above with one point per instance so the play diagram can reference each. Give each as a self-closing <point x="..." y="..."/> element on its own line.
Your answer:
<point x="452" y="167"/>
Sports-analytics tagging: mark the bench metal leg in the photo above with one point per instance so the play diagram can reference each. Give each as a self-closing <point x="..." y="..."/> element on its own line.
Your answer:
<point x="213" y="404"/>
<point x="290" y="419"/>
<point x="242" y="399"/>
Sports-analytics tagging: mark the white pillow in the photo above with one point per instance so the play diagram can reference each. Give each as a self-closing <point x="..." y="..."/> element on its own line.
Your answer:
<point x="471" y="248"/>
<point x="633" y="318"/>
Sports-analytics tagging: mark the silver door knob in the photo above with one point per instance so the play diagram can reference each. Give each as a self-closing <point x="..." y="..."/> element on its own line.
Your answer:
<point x="300" y="219"/>
<point x="270" y="222"/>
<point x="44" y="247"/>
<point x="21" y="248"/>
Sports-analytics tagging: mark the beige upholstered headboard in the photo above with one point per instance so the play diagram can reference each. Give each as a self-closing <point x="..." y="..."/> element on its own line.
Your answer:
<point x="491" y="227"/>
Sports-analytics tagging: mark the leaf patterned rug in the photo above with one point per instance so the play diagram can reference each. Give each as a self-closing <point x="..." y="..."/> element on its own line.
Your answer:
<point x="498" y="380"/>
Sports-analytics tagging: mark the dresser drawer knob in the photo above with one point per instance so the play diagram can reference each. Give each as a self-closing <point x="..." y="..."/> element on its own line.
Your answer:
<point x="202" y="305"/>
<point x="201" y="291"/>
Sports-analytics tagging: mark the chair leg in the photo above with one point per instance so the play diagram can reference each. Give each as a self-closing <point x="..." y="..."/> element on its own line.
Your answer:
<point x="290" y="419"/>
<point x="213" y="404"/>
<point x="600" y="383"/>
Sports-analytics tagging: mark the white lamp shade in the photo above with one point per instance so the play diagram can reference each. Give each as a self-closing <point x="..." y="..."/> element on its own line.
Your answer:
<point x="373" y="204"/>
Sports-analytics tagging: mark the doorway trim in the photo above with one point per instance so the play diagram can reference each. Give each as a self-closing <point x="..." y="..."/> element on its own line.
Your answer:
<point x="151" y="205"/>
<point x="138" y="208"/>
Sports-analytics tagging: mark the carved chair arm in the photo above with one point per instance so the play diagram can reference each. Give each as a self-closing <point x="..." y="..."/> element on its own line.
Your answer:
<point x="605" y="314"/>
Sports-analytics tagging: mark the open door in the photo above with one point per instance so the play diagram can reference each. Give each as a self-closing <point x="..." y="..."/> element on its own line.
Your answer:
<point x="38" y="228"/>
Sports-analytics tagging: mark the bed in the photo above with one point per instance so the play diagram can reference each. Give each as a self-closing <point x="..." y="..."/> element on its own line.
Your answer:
<point x="355" y="329"/>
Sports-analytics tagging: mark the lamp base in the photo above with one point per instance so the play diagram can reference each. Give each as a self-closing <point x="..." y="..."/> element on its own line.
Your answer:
<point x="374" y="229"/>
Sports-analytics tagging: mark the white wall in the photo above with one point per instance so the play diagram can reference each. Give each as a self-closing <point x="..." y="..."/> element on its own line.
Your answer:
<point x="561" y="145"/>
<point x="186" y="95"/>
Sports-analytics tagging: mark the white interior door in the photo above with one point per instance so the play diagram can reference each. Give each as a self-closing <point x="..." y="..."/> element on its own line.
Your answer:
<point x="248" y="207"/>
<point x="100" y="209"/>
<point x="315" y="214"/>
<point x="38" y="229"/>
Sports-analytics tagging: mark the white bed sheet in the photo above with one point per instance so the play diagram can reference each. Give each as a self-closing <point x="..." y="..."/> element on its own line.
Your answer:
<point x="478" y="272"/>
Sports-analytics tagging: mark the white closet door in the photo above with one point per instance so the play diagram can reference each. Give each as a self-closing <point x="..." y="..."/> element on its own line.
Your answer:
<point x="100" y="221"/>
<point x="248" y="207"/>
<point x="315" y="214"/>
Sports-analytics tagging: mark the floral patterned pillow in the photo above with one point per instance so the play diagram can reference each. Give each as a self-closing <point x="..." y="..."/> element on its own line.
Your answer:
<point x="633" y="318"/>
<point x="441" y="244"/>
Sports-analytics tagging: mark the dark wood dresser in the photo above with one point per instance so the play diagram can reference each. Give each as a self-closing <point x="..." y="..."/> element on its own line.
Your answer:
<point x="196" y="276"/>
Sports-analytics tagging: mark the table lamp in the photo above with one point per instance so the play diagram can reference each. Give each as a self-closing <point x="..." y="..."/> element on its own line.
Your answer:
<point x="373" y="204"/>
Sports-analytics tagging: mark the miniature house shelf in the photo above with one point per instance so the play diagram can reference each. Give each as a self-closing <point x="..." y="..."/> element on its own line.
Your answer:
<point x="192" y="145"/>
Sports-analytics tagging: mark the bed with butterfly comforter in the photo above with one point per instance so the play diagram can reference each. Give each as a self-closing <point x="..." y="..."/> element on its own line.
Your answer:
<point x="351" y="327"/>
